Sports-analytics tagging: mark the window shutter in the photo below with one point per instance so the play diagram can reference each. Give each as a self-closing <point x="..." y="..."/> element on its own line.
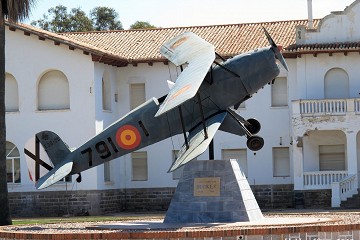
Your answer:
<point x="107" y="177"/>
<point x="137" y="94"/>
<point x="279" y="93"/>
<point x="240" y="155"/>
<point x="106" y="94"/>
<point x="139" y="166"/>
<point x="281" y="162"/>
<point x="332" y="157"/>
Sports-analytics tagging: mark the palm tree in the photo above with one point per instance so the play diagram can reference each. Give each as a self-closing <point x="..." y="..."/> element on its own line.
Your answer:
<point x="13" y="10"/>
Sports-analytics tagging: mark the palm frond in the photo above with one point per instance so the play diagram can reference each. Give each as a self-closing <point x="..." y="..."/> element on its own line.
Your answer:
<point x="17" y="10"/>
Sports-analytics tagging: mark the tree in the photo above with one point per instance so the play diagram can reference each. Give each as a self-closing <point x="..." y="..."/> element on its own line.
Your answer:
<point x="62" y="21"/>
<point x="141" y="25"/>
<point x="59" y="19"/>
<point x="105" y="18"/>
<point x="13" y="10"/>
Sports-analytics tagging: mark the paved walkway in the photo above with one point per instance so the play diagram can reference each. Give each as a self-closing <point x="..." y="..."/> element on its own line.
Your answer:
<point x="159" y="225"/>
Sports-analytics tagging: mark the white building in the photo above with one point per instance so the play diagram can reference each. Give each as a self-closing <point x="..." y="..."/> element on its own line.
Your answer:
<point x="77" y="84"/>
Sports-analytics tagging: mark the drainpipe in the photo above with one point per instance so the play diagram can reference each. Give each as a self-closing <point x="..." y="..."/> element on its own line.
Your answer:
<point x="310" y="14"/>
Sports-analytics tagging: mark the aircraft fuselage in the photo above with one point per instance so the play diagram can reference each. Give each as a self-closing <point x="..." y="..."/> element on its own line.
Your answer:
<point x="220" y="90"/>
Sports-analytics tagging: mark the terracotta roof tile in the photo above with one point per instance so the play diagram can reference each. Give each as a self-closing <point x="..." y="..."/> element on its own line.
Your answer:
<point x="229" y="40"/>
<point x="120" y="48"/>
<point x="324" y="47"/>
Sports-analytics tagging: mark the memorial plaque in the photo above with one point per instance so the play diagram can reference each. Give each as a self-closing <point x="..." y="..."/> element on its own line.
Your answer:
<point x="207" y="187"/>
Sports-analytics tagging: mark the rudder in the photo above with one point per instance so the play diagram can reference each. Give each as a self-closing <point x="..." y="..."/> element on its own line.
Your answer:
<point x="53" y="145"/>
<point x="43" y="153"/>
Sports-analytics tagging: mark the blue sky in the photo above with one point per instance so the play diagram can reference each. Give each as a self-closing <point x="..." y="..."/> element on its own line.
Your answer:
<point x="171" y="13"/>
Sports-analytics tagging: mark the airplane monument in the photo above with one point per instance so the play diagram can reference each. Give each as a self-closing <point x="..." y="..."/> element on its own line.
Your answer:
<point x="199" y="103"/>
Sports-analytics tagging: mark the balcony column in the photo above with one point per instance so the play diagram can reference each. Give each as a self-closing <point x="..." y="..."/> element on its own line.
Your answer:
<point x="298" y="161"/>
<point x="351" y="152"/>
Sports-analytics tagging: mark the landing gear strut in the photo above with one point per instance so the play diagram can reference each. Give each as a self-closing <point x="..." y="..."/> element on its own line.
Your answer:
<point x="78" y="179"/>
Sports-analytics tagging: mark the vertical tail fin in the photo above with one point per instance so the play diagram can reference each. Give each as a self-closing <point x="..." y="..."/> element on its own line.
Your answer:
<point x="44" y="152"/>
<point x="55" y="148"/>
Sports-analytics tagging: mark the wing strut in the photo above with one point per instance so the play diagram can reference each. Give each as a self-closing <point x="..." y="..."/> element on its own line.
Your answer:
<point x="219" y="56"/>
<point x="183" y="127"/>
<point x="182" y="119"/>
<point x="202" y="115"/>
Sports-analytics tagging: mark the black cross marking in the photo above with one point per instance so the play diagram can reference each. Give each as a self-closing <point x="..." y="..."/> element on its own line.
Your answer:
<point x="37" y="159"/>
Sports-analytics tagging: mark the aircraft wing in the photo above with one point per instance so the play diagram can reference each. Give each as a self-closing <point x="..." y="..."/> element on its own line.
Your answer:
<point x="199" y="54"/>
<point x="197" y="141"/>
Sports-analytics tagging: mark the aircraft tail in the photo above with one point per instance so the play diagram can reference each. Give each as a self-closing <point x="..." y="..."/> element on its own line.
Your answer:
<point x="47" y="159"/>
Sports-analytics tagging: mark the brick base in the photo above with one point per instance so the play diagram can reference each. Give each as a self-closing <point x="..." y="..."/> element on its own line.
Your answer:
<point x="99" y="202"/>
<point x="95" y="202"/>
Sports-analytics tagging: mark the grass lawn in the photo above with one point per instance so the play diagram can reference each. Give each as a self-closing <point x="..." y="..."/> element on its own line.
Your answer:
<point x="26" y="221"/>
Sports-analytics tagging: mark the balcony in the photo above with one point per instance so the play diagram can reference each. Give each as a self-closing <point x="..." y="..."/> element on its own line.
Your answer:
<point x="326" y="107"/>
<point x="342" y="185"/>
<point x="322" y="179"/>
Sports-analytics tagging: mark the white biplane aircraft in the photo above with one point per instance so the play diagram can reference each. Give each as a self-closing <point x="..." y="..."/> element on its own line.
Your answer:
<point x="197" y="105"/>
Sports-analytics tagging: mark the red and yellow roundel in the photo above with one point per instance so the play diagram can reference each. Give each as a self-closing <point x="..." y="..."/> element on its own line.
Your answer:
<point x="128" y="137"/>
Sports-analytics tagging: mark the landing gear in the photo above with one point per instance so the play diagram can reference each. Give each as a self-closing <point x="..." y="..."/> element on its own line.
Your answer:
<point x="78" y="179"/>
<point x="250" y="127"/>
<point x="253" y="126"/>
<point x="255" y="143"/>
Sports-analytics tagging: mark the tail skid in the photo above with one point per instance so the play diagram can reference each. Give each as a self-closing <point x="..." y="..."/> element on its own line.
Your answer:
<point x="46" y="157"/>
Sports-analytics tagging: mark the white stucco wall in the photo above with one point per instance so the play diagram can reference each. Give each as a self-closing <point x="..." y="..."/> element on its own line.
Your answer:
<point x="311" y="73"/>
<point x="339" y="26"/>
<point x="27" y="59"/>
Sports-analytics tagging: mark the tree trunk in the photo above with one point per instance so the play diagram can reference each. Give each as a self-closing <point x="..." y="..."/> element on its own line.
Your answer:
<point x="5" y="218"/>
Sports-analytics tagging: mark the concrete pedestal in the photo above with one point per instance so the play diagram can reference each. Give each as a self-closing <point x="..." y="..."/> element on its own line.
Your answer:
<point x="213" y="191"/>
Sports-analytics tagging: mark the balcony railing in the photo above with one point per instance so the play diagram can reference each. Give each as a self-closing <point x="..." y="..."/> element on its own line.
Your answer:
<point x="326" y="106"/>
<point x="322" y="179"/>
<point x="343" y="189"/>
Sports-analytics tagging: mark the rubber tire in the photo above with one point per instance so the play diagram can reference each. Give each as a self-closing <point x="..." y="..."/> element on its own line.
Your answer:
<point x="253" y="125"/>
<point x="255" y="143"/>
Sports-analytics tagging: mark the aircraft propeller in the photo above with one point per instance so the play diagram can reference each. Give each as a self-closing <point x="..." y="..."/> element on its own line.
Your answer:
<point x="276" y="50"/>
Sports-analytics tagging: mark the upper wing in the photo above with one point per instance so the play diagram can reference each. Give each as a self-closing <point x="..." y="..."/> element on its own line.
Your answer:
<point x="199" y="54"/>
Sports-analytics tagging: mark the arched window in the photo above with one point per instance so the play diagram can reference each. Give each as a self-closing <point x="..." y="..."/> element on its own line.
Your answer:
<point x="336" y="84"/>
<point x="12" y="163"/>
<point x="106" y="92"/>
<point x="53" y="91"/>
<point x="11" y="93"/>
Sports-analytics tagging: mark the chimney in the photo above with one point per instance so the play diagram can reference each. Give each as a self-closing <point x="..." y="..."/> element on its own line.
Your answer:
<point x="310" y="14"/>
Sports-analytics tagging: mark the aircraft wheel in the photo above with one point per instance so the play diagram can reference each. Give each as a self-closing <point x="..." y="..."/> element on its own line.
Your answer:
<point x="255" y="143"/>
<point x="79" y="179"/>
<point x="253" y="126"/>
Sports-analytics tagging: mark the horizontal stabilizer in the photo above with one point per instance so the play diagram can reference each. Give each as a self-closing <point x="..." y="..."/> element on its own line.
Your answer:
<point x="55" y="175"/>
<point x="199" y="54"/>
<point x="197" y="141"/>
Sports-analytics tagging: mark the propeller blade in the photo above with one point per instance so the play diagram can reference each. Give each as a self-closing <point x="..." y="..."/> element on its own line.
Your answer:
<point x="276" y="49"/>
